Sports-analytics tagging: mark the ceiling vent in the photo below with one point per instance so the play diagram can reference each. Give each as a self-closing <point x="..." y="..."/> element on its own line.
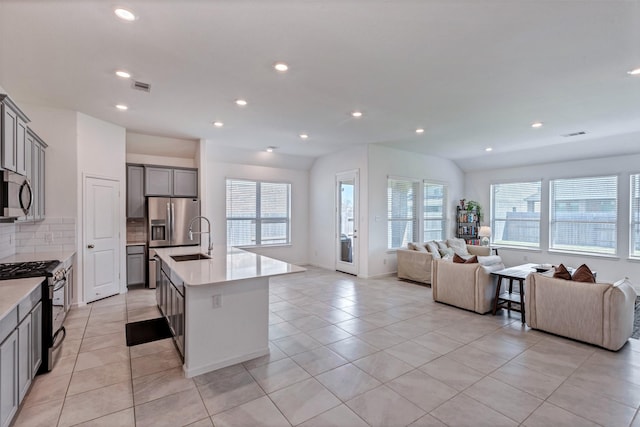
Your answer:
<point x="145" y="87"/>
<point x="569" y="135"/>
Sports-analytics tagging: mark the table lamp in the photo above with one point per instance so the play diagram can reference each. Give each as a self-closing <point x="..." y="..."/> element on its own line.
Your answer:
<point x="485" y="233"/>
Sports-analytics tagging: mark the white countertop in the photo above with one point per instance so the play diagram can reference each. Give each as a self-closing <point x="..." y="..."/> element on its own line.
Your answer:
<point x="15" y="290"/>
<point x="226" y="264"/>
<point x="61" y="256"/>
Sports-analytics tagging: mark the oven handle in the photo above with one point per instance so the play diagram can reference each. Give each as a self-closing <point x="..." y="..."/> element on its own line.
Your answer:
<point x="57" y="287"/>
<point x="64" y="335"/>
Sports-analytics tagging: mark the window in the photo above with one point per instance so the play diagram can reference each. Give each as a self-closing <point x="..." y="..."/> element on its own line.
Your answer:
<point x="635" y="216"/>
<point x="435" y="211"/>
<point x="515" y="214"/>
<point x="258" y="213"/>
<point x="401" y="212"/>
<point x="584" y="214"/>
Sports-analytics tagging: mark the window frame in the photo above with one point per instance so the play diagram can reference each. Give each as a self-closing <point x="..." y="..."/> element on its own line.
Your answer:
<point x="258" y="220"/>
<point x="415" y="229"/>
<point x="634" y="223"/>
<point x="552" y="221"/>
<point x="444" y="219"/>
<point x="492" y="214"/>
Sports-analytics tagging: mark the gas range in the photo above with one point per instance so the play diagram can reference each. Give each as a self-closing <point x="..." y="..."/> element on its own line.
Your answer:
<point x="21" y="270"/>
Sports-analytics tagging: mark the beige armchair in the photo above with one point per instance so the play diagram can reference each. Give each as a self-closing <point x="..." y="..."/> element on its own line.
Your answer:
<point x="416" y="265"/>
<point x="468" y="286"/>
<point x="596" y="313"/>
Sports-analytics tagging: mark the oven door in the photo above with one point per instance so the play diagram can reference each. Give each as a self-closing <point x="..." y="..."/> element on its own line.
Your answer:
<point x="58" y="293"/>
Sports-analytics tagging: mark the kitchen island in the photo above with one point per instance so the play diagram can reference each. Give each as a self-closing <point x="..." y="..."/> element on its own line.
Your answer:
<point x="218" y="308"/>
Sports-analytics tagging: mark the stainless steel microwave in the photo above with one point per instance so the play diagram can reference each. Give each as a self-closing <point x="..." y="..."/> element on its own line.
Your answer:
<point x="17" y="195"/>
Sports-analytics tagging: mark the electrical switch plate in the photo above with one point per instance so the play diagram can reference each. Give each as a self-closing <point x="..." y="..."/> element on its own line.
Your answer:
<point x="217" y="301"/>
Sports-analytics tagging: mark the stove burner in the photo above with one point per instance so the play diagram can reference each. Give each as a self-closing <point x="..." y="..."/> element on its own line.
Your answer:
<point x="20" y="270"/>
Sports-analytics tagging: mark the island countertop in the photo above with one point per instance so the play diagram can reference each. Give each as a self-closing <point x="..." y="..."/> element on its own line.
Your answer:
<point x="226" y="265"/>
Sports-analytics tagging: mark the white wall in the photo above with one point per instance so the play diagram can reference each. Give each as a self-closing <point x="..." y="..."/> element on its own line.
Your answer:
<point x="101" y="153"/>
<point x="214" y="204"/>
<point x="384" y="162"/>
<point x="147" y="159"/>
<point x="477" y="185"/>
<point x="322" y="206"/>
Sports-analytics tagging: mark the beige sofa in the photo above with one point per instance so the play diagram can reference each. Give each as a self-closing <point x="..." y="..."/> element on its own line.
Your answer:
<point x="596" y="313"/>
<point x="468" y="286"/>
<point x="415" y="265"/>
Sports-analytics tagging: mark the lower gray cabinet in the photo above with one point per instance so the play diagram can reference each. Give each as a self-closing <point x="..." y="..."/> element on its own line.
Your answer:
<point x="36" y="339"/>
<point x="136" y="265"/>
<point x="25" y="343"/>
<point x="9" y="378"/>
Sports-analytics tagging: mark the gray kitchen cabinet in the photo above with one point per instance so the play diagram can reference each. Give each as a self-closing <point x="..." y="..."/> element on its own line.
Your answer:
<point x="36" y="341"/>
<point x="34" y="155"/>
<point x="170" y="182"/>
<point x="9" y="378"/>
<point x="135" y="191"/>
<point x="13" y="135"/>
<point x="158" y="181"/>
<point x="185" y="183"/>
<point x="25" y="344"/>
<point x="136" y="265"/>
<point x="171" y="303"/>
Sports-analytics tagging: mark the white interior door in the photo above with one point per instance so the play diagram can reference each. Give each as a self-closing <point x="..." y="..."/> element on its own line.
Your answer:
<point x="347" y="222"/>
<point x="101" y="238"/>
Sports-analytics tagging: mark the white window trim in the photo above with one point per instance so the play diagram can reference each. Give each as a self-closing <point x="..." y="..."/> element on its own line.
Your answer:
<point x="445" y="208"/>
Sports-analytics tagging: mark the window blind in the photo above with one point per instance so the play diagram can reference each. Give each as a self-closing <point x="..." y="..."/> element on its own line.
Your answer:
<point x="584" y="214"/>
<point x="258" y="213"/>
<point x="401" y="212"/>
<point x="434" y="211"/>
<point x="515" y="214"/>
<point x="635" y="216"/>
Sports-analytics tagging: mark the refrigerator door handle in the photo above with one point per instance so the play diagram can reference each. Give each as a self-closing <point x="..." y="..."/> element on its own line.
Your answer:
<point x="169" y="231"/>
<point x="173" y="216"/>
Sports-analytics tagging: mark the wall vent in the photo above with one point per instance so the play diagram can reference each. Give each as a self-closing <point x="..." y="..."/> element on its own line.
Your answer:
<point x="569" y="135"/>
<point x="145" y="87"/>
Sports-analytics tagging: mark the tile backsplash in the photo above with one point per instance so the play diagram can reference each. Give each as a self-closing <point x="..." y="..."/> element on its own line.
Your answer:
<point x="136" y="230"/>
<point x="7" y="240"/>
<point x="52" y="234"/>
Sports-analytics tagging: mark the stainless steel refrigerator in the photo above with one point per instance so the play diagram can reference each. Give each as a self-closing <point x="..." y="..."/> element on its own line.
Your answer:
<point x="169" y="219"/>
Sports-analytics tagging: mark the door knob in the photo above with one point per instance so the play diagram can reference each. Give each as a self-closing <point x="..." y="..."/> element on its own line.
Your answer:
<point x="91" y="246"/>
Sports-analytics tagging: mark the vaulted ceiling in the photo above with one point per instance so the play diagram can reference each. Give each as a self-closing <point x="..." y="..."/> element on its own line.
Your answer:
<point x="473" y="74"/>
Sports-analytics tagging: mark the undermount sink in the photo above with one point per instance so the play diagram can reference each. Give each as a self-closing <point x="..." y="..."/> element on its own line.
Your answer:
<point x="190" y="257"/>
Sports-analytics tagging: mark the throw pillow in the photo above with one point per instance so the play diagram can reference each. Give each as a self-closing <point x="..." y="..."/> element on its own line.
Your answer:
<point x="442" y="246"/>
<point x="562" y="273"/>
<point x="459" y="246"/>
<point x="432" y="247"/>
<point x="448" y="252"/>
<point x="583" y="274"/>
<point x="412" y="246"/>
<point x="458" y="259"/>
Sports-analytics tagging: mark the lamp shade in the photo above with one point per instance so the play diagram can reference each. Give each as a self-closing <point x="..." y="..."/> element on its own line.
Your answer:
<point x="485" y="231"/>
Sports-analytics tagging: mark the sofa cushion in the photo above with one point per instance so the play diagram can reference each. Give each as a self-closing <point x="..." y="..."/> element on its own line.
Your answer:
<point x="432" y="247"/>
<point x="459" y="246"/>
<point x="562" y="273"/>
<point x="442" y="245"/>
<point x="583" y="274"/>
<point x="471" y="260"/>
<point x="447" y="252"/>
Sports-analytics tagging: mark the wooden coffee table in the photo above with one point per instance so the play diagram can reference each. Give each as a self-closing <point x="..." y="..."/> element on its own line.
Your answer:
<point x="510" y="300"/>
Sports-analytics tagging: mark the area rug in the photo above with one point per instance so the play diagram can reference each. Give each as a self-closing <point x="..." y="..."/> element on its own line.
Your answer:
<point x="636" y="320"/>
<point x="146" y="331"/>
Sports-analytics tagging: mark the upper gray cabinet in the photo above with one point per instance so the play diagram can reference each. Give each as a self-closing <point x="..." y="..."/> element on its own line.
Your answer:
<point x="168" y="182"/>
<point x="135" y="191"/>
<point x="34" y="155"/>
<point x="14" y="136"/>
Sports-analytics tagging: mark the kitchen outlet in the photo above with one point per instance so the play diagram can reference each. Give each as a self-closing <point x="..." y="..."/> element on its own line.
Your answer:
<point x="48" y="237"/>
<point x="217" y="301"/>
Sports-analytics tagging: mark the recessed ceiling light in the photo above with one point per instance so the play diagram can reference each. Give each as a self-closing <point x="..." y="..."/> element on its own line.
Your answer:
<point x="357" y="114"/>
<point x="241" y="102"/>
<point x="536" y="125"/>
<point x="488" y="149"/>
<point x="419" y="130"/>
<point x="281" y="66"/>
<point x="123" y="74"/>
<point x="122" y="107"/>
<point x="634" y="72"/>
<point x="271" y="148"/>
<point x="218" y="124"/>
<point x="125" y="15"/>
<point x="304" y="136"/>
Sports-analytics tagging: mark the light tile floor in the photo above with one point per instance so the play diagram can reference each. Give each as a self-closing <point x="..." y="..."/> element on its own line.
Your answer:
<point x="344" y="352"/>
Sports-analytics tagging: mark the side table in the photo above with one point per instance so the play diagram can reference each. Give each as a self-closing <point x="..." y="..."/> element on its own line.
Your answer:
<point x="510" y="300"/>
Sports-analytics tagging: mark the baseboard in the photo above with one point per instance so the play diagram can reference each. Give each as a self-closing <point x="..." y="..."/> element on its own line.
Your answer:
<point x="189" y="373"/>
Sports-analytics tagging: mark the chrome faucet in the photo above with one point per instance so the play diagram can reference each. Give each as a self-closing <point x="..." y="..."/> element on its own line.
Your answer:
<point x="191" y="232"/>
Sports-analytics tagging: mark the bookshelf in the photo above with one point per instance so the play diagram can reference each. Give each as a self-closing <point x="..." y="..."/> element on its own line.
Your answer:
<point x="467" y="226"/>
